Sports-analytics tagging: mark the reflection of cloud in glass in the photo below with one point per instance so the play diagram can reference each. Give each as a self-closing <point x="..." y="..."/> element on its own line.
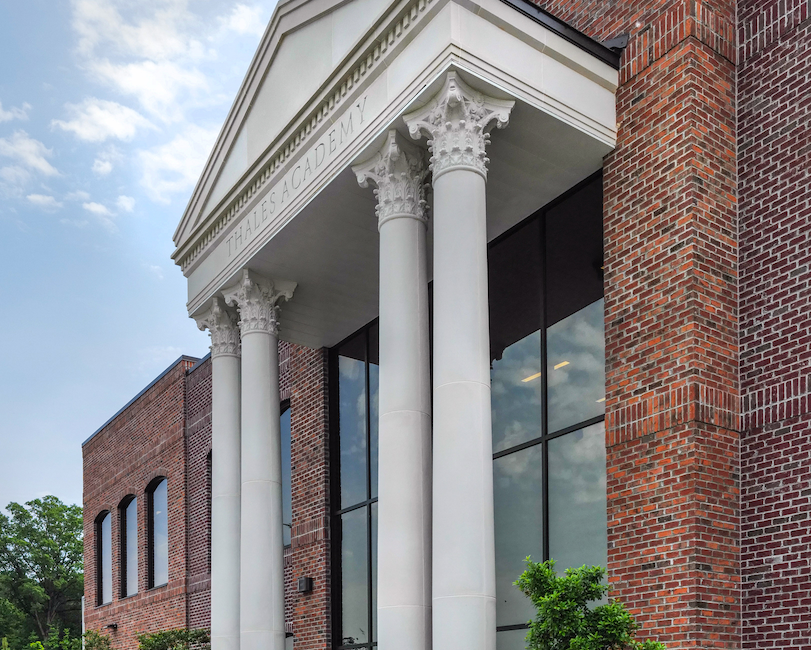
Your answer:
<point x="352" y="416"/>
<point x="577" y="498"/>
<point x="574" y="389"/>
<point x="516" y="404"/>
<point x="354" y="577"/>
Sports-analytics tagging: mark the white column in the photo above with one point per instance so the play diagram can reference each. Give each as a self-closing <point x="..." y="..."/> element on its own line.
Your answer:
<point x="464" y="591"/>
<point x="404" y="477"/>
<point x="225" y="474"/>
<point x="261" y="550"/>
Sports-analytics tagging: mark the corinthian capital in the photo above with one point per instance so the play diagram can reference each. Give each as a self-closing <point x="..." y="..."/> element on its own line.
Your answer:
<point x="398" y="170"/>
<point x="257" y="299"/>
<point x="458" y="122"/>
<point x="221" y="324"/>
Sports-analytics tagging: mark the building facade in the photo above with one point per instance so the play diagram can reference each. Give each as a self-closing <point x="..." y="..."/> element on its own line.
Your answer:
<point x="585" y="340"/>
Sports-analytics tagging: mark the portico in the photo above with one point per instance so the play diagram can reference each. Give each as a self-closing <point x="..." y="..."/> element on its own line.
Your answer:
<point x="283" y="238"/>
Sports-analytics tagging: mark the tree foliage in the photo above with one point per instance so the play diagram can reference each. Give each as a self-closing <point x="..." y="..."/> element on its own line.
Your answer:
<point x="95" y="640"/>
<point x="567" y="618"/>
<point x="41" y="571"/>
<point x="175" y="640"/>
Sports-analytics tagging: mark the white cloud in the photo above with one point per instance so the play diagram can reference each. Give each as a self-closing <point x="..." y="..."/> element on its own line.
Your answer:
<point x="102" y="167"/>
<point x="176" y="165"/>
<point x="97" y="209"/>
<point x="96" y="120"/>
<point x="102" y="215"/>
<point x="14" y="175"/>
<point x="157" y="86"/>
<point x="155" y="270"/>
<point x="29" y="152"/>
<point x="44" y="201"/>
<point x="246" y="20"/>
<point x="125" y="203"/>
<point x="14" y="113"/>
<point x="106" y="160"/>
<point x="79" y="195"/>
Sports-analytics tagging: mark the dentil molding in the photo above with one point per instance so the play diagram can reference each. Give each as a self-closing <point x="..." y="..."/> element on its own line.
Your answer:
<point x="398" y="171"/>
<point x="221" y="324"/>
<point x="257" y="300"/>
<point x="458" y="123"/>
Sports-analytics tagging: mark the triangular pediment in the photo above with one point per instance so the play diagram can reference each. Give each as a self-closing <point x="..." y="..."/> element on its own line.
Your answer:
<point x="302" y="46"/>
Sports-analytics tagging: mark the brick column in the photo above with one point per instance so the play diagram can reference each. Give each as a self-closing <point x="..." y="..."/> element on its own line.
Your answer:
<point x="672" y="421"/>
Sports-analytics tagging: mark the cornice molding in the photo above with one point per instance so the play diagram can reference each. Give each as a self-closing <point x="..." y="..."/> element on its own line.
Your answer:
<point x="458" y="122"/>
<point x="221" y="323"/>
<point x="257" y="300"/>
<point x="398" y="171"/>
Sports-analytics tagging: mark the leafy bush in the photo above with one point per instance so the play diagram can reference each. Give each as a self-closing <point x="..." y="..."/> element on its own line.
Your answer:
<point x="566" y="621"/>
<point x="175" y="640"/>
<point x="94" y="640"/>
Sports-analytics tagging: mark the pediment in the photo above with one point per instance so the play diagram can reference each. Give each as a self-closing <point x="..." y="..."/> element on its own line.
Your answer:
<point x="303" y="45"/>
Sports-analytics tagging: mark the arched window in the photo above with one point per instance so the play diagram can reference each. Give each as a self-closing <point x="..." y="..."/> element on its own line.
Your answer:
<point x="128" y="516"/>
<point x="104" y="558"/>
<point x="158" y="533"/>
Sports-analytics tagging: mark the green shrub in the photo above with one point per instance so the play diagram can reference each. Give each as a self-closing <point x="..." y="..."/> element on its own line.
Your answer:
<point x="95" y="640"/>
<point x="175" y="640"/>
<point x="566" y="620"/>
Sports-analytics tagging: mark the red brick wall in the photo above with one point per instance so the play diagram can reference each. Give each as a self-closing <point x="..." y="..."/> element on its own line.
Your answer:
<point x="774" y="165"/>
<point x="143" y="442"/>
<point x="198" y="524"/>
<point x="671" y="318"/>
<point x="309" y="554"/>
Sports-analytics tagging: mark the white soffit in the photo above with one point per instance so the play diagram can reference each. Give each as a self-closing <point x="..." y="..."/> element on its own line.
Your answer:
<point x="299" y="214"/>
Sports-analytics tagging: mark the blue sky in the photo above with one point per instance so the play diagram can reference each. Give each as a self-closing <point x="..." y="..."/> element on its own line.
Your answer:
<point x="108" y="111"/>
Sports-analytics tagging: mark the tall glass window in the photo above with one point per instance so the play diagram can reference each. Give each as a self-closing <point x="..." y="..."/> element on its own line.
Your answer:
<point x="355" y="382"/>
<point x="548" y="397"/>
<point x="158" y="533"/>
<point x="129" y="546"/>
<point x="104" y="559"/>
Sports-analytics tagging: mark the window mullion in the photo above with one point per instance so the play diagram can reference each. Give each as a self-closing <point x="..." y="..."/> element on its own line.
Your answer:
<point x="544" y="392"/>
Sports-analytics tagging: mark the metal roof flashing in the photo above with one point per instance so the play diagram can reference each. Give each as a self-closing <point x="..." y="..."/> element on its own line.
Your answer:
<point x="181" y="358"/>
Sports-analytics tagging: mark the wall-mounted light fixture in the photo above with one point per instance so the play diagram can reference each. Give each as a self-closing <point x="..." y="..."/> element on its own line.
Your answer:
<point x="111" y="626"/>
<point x="305" y="585"/>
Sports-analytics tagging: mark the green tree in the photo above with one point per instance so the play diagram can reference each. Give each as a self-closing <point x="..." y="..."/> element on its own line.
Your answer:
<point x="567" y="617"/>
<point x="41" y="570"/>
<point x="175" y="640"/>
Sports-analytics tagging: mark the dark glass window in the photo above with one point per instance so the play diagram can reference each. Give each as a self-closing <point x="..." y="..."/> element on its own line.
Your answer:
<point x="354" y="382"/>
<point x="287" y="495"/>
<point x="158" y="533"/>
<point x="104" y="558"/>
<point x="548" y="397"/>
<point x="129" y="546"/>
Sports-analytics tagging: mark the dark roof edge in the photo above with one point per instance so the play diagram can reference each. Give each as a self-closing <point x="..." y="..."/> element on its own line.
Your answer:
<point x="182" y="357"/>
<point x="198" y="364"/>
<point x="595" y="48"/>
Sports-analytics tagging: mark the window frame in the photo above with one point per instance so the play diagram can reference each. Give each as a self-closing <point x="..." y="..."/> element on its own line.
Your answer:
<point x="150" y="533"/>
<point x="546" y="435"/>
<point x="335" y="492"/>
<point x="123" y="578"/>
<point x="98" y="528"/>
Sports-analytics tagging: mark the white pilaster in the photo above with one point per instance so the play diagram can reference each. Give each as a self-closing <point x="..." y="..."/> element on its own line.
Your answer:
<point x="457" y="121"/>
<point x="225" y="473"/>
<point x="404" y="477"/>
<point x="262" y="546"/>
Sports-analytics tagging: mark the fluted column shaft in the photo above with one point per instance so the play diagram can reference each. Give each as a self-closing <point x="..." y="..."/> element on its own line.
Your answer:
<point x="464" y="592"/>
<point x="404" y="476"/>
<point x="262" y="546"/>
<point x="225" y="474"/>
